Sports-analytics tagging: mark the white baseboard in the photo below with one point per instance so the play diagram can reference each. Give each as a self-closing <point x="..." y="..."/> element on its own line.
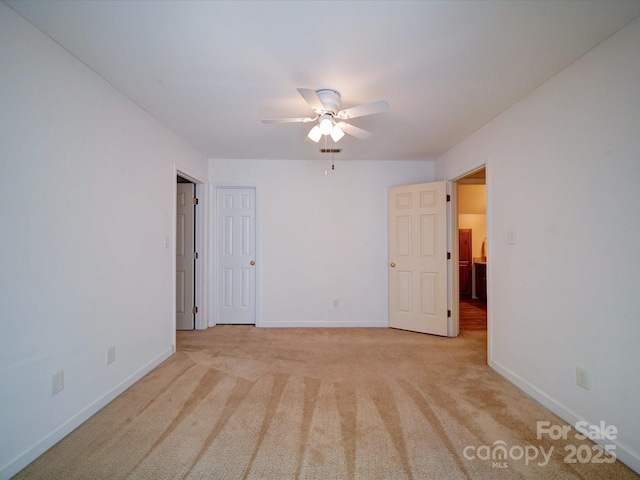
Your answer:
<point x="78" y="419"/>
<point x="625" y="454"/>
<point x="326" y="324"/>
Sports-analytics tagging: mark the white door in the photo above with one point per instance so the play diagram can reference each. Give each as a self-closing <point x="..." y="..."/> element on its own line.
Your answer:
<point x="236" y="255"/>
<point x="185" y="261"/>
<point x="418" y="258"/>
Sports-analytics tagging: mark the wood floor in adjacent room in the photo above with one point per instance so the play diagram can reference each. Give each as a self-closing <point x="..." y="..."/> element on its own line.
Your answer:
<point x="239" y="402"/>
<point x="473" y="314"/>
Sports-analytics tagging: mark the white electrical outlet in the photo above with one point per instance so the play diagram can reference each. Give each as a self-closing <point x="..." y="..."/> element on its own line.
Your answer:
<point x="511" y="237"/>
<point x="111" y="354"/>
<point x="336" y="302"/>
<point x="57" y="382"/>
<point x="582" y="378"/>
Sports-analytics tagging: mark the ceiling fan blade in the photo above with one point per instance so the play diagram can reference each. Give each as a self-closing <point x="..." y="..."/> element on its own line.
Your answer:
<point x="289" y="120"/>
<point x="311" y="97"/>
<point x="354" y="131"/>
<point x="362" y="110"/>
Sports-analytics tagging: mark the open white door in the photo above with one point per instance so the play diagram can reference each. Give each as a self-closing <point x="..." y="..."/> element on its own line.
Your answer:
<point x="185" y="251"/>
<point x="418" y="258"/>
<point x="236" y="255"/>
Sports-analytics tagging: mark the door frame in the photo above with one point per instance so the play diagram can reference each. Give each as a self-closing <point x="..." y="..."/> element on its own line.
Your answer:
<point x="201" y="241"/>
<point x="454" y="280"/>
<point x="213" y="262"/>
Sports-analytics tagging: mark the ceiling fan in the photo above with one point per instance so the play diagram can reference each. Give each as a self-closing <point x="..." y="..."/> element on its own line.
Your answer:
<point x="326" y="105"/>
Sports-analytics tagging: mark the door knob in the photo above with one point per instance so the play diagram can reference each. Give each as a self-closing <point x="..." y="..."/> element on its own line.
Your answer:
<point x="252" y="262"/>
<point x="393" y="265"/>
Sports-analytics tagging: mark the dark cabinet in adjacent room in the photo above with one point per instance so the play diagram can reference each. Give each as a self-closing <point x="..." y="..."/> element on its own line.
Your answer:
<point x="481" y="280"/>
<point x="465" y="261"/>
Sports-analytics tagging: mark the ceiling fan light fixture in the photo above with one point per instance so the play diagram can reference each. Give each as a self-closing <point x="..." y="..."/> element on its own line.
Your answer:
<point x="315" y="134"/>
<point x="326" y="124"/>
<point x="325" y="104"/>
<point x="336" y="133"/>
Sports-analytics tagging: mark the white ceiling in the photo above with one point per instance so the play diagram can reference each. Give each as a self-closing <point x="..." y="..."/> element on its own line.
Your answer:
<point x="210" y="70"/>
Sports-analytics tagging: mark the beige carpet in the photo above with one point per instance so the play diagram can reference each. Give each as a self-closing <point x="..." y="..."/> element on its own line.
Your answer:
<point x="241" y="402"/>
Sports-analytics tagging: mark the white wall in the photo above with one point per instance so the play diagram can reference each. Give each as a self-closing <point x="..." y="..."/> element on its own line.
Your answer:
<point x="87" y="184"/>
<point x="564" y="175"/>
<point x="321" y="237"/>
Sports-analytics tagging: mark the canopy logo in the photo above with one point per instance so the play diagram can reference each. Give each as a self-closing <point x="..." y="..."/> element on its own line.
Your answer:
<point x="499" y="453"/>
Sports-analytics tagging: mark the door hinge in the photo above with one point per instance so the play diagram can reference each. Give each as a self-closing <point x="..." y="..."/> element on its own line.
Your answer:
<point x="195" y="201"/>
<point x="195" y="255"/>
<point x="448" y="313"/>
<point x="448" y="198"/>
<point x="448" y="255"/>
<point x="195" y="310"/>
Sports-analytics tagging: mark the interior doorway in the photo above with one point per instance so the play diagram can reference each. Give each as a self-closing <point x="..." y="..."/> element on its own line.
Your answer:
<point x="186" y="254"/>
<point x="201" y="318"/>
<point x="236" y="255"/>
<point x="469" y="227"/>
<point x="418" y="268"/>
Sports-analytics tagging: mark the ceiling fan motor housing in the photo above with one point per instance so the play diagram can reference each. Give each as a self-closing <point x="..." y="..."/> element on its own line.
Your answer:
<point x="330" y="100"/>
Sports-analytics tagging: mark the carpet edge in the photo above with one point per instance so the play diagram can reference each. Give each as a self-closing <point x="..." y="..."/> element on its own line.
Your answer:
<point x="623" y="453"/>
<point x="29" y="455"/>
